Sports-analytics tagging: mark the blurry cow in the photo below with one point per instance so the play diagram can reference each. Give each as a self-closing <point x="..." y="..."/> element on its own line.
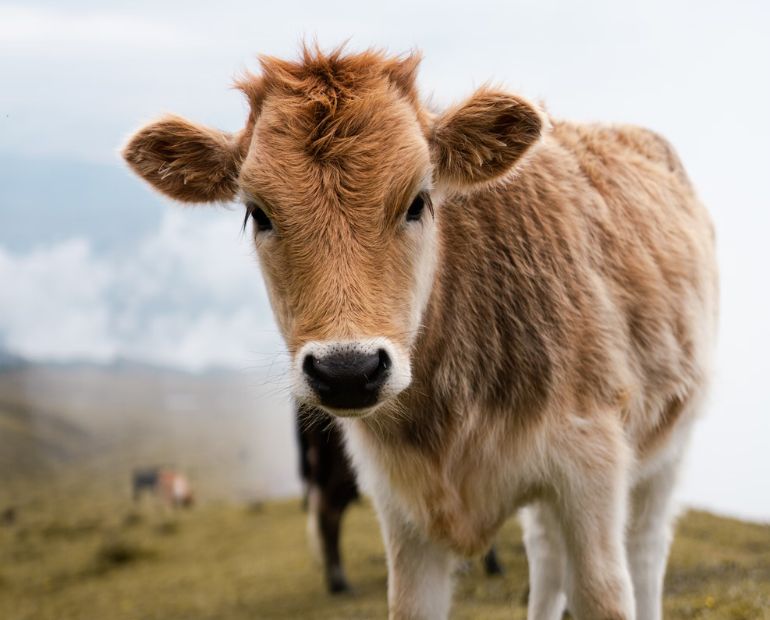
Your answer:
<point x="330" y="487"/>
<point x="170" y="486"/>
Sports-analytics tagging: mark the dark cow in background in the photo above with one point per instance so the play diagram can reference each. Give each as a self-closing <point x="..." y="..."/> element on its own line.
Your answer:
<point x="330" y="485"/>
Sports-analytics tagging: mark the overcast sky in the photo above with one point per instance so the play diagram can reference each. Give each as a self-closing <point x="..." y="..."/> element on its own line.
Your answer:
<point x="93" y="266"/>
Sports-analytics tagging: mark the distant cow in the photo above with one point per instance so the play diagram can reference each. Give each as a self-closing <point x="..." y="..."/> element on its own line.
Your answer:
<point x="171" y="487"/>
<point x="331" y="487"/>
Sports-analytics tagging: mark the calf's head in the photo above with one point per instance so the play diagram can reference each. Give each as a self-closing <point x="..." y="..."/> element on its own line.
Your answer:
<point x="342" y="171"/>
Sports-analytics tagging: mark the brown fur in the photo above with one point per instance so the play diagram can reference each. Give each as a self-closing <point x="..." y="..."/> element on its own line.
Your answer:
<point x="337" y="259"/>
<point x="186" y="161"/>
<point x="569" y="323"/>
<point x="464" y="147"/>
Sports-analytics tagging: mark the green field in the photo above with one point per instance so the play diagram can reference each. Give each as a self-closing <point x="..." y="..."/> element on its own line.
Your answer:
<point x="67" y="558"/>
<point x="77" y="548"/>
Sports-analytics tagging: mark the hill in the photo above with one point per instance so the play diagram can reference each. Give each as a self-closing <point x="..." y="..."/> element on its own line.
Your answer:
<point x="34" y="444"/>
<point x="232" y="434"/>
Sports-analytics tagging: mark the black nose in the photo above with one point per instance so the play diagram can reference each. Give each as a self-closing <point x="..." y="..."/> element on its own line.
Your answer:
<point x="348" y="379"/>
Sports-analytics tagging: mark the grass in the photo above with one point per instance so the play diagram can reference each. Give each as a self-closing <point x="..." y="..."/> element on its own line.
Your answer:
<point x="232" y="562"/>
<point x="73" y="547"/>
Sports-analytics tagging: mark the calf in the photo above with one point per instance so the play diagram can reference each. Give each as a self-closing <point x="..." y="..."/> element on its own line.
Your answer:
<point x="331" y="486"/>
<point x="504" y="311"/>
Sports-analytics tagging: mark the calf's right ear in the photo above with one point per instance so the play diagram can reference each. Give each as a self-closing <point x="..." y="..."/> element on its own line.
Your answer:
<point x="185" y="161"/>
<point x="484" y="138"/>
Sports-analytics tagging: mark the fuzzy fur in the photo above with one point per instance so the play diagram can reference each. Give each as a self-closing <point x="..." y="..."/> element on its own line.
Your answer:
<point x="555" y="317"/>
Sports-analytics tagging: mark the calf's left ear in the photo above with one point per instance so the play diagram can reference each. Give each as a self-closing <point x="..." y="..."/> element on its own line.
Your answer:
<point x="185" y="161"/>
<point x="483" y="138"/>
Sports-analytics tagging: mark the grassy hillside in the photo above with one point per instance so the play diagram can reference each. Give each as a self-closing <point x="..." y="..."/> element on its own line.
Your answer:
<point x="75" y="558"/>
<point x="33" y="443"/>
<point x="228" y="431"/>
<point x="74" y="547"/>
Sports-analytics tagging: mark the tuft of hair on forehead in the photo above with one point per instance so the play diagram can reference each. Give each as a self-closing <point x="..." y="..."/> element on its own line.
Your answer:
<point x="327" y="98"/>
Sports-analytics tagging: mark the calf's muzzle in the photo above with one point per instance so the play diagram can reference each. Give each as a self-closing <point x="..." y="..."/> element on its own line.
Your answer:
<point x="347" y="379"/>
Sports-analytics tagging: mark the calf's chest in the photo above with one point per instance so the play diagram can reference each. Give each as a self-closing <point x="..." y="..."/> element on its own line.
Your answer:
<point x="459" y="497"/>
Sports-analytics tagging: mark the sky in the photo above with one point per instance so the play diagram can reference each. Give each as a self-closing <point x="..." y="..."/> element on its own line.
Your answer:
<point x="94" y="266"/>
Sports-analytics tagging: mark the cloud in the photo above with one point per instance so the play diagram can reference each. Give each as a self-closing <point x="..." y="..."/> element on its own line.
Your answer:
<point x="53" y="303"/>
<point x="189" y="295"/>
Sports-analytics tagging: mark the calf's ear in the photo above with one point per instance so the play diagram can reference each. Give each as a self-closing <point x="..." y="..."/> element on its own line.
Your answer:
<point x="483" y="138"/>
<point x="185" y="161"/>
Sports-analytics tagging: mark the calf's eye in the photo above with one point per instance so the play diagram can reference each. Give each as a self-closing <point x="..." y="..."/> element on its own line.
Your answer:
<point x="261" y="221"/>
<point x="414" y="213"/>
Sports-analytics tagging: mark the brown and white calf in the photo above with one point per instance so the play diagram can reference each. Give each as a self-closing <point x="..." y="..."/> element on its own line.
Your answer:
<point x="504" y="310"/>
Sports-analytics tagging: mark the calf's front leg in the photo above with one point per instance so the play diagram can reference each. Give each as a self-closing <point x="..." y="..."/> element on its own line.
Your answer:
<point x="591" y="504"/>
<point x="419" y="571"/>
<point x="649" y="538"/>
<point x="546" y="556"/>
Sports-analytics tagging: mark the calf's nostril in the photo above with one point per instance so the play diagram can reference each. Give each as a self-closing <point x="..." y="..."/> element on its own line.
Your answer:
<point x="308" y="366"/>
<point x="366" y="366"/>
<point x="384" y="360"/>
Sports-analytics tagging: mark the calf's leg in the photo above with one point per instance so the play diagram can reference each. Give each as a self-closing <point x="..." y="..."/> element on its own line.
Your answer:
<point x="591" y="504"/>
<point x="419" y="572"/>
<point x="649" y="539"/>
<point x="546" y="556"/>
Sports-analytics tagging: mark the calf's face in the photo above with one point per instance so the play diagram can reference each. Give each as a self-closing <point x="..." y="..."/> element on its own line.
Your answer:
<point x="342" y="173"/>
